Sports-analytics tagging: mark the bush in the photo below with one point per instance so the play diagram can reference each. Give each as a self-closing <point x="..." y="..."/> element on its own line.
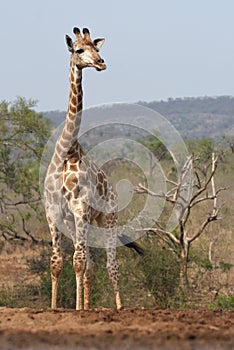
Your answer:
<point x="223" y="302"/>
<point x="161" y="273"/>
<point x="20" y="296"/>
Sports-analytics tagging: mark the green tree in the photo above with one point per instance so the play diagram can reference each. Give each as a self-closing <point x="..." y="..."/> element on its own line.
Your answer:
<point x="157" y="148"/>
<point x="202" y="148"/>
<point x="23" y="134"/>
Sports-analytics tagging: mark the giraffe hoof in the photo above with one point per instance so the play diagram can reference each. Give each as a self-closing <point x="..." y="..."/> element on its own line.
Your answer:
<point x="120" y="308"/>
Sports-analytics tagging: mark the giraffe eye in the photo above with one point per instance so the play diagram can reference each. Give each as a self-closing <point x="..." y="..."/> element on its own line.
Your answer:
<point x="79" y="51"/>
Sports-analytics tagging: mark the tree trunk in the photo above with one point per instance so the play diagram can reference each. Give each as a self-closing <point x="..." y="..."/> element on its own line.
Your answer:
<point x="151" y="165"/>
<point x="184" y="282"/>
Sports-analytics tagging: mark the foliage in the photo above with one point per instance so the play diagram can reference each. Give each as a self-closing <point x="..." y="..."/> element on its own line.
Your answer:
<point x="223" y="302"/>
<point x="19" y="295"/>
<point x="225" y="267"/>
<point x="156" y="147"/>
<point x="23" y="134"/>
<point x="201" y="260"/>
<point x="39" y="265"/>
<point x="161" y="273"/>
<point x="202" y="149"/>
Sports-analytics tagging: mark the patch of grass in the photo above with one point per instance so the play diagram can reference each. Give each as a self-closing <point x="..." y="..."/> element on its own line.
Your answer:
<point x="20" y="296"/>
<point x="223" y="302"/>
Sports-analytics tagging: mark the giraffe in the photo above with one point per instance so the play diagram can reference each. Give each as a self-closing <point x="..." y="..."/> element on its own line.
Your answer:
<point x="73" y="183"/>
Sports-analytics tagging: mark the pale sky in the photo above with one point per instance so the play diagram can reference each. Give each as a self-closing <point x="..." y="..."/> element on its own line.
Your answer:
<point x="154" y="49"/>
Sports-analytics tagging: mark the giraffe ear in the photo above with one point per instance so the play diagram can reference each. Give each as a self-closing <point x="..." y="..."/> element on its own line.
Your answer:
<point x="98" y="43"/>
<point x="69" y="43"/>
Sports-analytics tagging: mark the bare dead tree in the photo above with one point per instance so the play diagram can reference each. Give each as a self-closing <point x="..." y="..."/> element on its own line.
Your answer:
<point x="204" y="190"/>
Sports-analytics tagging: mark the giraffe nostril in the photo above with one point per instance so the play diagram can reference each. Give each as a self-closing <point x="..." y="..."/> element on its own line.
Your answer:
<point x="100" y="61"/>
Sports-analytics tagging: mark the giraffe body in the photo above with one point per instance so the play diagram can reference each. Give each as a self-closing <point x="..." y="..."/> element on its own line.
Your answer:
<point x="77" y="192"/>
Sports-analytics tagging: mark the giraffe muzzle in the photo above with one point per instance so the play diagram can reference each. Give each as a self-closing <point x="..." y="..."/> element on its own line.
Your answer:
<point x="101" y="67"/>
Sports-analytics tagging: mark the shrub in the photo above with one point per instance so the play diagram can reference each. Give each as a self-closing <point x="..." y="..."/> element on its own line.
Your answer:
<point x="223" y="302"/>
<point x="20" y="296"/>
<point x="161" y="272"/>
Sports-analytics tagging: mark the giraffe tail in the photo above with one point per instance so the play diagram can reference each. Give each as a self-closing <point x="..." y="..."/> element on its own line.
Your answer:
<point x="127" y="241"/>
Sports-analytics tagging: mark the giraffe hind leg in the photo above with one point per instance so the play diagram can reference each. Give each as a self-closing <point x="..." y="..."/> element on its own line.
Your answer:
<point x="82" y="219"/>
<point x="109" y="222"/>
<point x="113" y="273"/>
<point x="88" y="278"/>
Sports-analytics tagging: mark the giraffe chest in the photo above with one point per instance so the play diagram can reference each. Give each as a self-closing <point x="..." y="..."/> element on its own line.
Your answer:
<point x="80" y="182"/>
<point x="77" y="179"/>
<point x="83" y="180"/>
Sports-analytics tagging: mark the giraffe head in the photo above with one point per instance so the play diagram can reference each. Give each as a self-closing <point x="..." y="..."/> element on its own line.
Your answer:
<point x="84" y="51"/>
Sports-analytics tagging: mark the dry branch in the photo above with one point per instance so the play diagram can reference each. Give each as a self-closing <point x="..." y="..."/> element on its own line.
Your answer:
<point x="205" y="182"/>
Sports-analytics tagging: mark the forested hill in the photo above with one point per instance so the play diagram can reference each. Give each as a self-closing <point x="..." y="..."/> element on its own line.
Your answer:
<point x="193" y="117"/>
<point x="198" y="117"/>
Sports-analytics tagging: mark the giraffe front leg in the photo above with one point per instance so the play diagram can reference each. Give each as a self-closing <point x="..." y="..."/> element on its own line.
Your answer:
<point x="56" y="264"/>
<point x="82" y="218"/>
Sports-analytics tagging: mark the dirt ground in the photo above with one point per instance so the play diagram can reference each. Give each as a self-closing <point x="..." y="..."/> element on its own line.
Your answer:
<point x="109" y="329"/>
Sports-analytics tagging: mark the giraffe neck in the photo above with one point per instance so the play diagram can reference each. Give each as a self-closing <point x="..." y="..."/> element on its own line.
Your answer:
<point x="76" y="93"/>
<point x="71" y="127"/>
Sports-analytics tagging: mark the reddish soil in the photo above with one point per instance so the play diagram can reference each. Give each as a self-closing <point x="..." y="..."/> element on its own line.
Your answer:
<point x="109" y="329"/>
